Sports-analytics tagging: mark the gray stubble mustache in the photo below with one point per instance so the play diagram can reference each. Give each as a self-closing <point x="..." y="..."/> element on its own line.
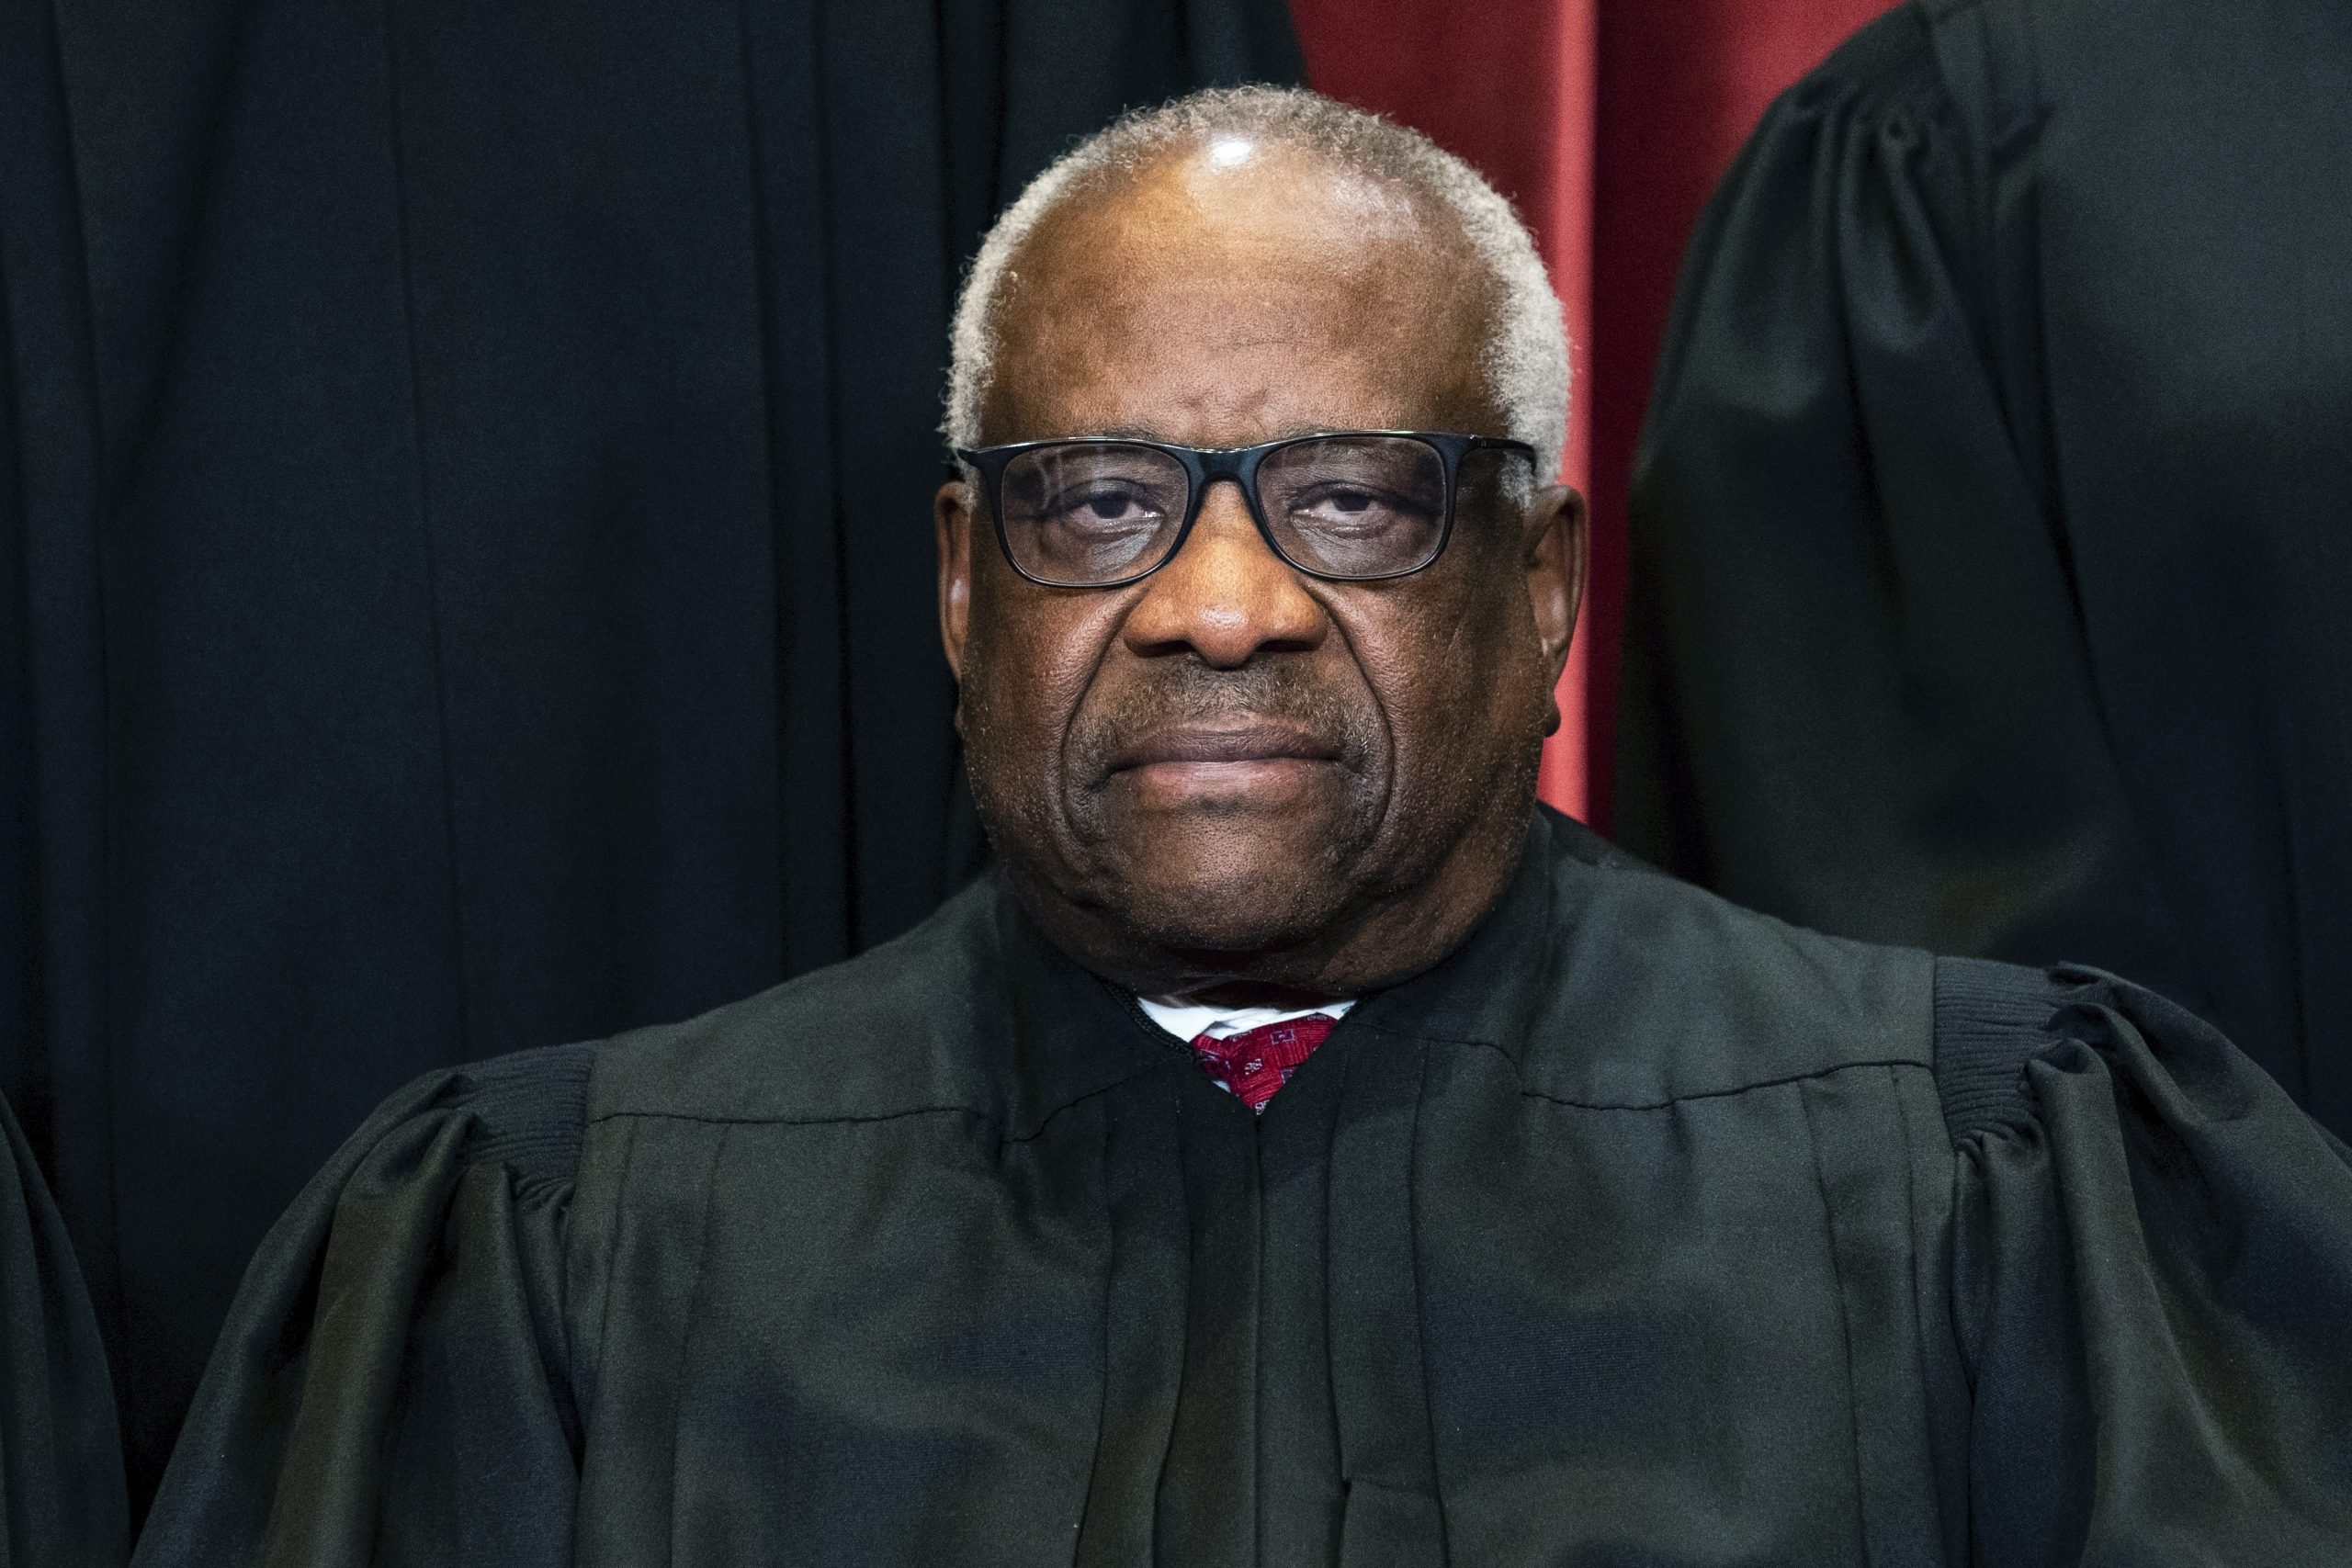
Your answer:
<point x="1187" y="693"/>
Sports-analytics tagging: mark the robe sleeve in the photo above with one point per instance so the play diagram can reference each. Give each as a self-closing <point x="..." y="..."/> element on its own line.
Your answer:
<point x="62" y="1501"/>
<point x="1854" y="692"/>
<point x="394" y="1382"/>
<point x="2152" y="1282"/>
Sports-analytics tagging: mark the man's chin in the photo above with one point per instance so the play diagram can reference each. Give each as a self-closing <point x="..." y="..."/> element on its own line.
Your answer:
<point x="1233" y="893"/>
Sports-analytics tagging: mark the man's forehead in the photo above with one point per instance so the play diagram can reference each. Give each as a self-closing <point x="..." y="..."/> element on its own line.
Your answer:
<point x="1227" y="397"/>
<point x="1256" y="301"/>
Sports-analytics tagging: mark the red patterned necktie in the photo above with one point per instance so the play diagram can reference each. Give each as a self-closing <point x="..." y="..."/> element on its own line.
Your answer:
<point x="1259" y="1061"/>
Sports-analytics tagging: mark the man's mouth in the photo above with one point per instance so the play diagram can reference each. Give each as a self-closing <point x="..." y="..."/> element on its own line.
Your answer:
<point x="1260" y="742"/>
<point x="1262" y="760"/>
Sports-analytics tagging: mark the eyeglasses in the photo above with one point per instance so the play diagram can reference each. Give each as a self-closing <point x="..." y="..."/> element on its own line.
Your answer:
<point x="1353" y="506"/>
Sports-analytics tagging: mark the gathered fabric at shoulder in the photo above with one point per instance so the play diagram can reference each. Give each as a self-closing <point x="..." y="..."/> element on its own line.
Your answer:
<point x="392" y="1382"/>
<point x="2152" y="1272"/>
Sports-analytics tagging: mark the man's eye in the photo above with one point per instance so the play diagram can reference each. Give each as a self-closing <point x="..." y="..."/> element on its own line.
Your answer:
<point x="1347" y="507"/>
<point x="1096" y="508"/>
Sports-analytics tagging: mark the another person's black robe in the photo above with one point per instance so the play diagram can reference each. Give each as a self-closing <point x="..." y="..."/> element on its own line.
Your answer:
<point x="1642" y="1229"/>
<point x="1993" y="523"/>
<point x="62" y="1502"/>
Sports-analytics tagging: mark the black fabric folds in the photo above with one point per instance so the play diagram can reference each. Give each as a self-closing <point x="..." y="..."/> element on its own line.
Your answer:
<point x="465" y="559"/>
<point x="2118" y="1256"/>
<point x="432" y="1398"/>
<point x="1641" y="1230"/>
<point x="1991" y="580"/>
<point x="62" y="1502"/>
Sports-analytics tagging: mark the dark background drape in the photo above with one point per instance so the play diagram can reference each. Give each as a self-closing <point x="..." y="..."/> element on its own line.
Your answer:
<point x="465" y="574"/>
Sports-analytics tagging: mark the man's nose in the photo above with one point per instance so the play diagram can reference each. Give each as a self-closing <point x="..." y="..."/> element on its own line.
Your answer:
<point x="1226" y="596"/>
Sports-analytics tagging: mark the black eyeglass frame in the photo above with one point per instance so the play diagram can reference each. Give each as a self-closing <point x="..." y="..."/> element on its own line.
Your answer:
<point x="1205" y="466"/>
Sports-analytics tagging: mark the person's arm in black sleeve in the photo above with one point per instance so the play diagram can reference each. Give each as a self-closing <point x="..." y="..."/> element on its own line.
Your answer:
<point x="393" y="1385"/>
<point x="1853" y="692"/>
<point x="62" y="1498"/>
<point x="2151" y="1283"/>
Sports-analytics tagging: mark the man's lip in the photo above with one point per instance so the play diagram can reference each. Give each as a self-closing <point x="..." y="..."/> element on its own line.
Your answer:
<point x="1252" y="743"/>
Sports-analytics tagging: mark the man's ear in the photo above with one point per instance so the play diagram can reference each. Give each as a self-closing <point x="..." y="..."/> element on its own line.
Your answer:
<point x="1556" y="558"/>
<point x="951" y="512"/>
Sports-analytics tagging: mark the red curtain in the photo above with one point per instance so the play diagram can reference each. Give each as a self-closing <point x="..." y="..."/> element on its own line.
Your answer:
<point x="1608" y="121"/>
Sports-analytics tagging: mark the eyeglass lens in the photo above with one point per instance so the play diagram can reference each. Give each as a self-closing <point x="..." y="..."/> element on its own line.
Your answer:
<point x="1085" y="512"/>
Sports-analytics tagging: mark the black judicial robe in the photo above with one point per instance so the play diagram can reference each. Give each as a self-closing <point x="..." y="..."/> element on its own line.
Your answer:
<point x="1642" y="1230"/>
<point x="1992" y="527"/>
<point x="62" y="1502"/>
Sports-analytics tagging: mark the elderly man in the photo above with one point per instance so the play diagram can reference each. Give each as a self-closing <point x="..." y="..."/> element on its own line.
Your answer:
<point x="1302" y="1149"/>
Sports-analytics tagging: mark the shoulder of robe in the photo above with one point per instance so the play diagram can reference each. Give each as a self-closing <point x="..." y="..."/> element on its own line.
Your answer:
<point x="1655" y="990"/>
<point x="1887" y="68"/>
<point x="884" y="1033"/>
<point x="1797" y="224"/>
<point x="1907" y="112"/>
<point x="525" y="1111"/>
<point x="1960" y="75"/>
<point x="1889" y="61"/>
<point x="1995" y="1021"/>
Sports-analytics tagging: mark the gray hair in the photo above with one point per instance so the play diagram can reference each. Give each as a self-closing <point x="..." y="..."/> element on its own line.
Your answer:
<point x="1525" y="358"/>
